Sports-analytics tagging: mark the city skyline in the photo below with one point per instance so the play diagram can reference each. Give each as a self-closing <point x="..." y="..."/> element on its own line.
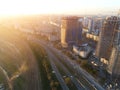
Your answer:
<point x="26" y="7"/>
<point x="58" y="52"/>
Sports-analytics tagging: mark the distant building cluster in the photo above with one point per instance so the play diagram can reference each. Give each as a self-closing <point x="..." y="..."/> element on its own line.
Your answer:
<point x="93" y="24"/>
<point x="99" y="35"/>
<point x="104" y="31"/>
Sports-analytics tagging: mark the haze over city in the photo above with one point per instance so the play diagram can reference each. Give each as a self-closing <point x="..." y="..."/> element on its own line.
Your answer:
<point x="59" y="44"/>
<point x="89" y="7"/>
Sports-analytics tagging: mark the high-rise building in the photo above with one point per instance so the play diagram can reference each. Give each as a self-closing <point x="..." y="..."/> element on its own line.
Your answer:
<point x="90" y="22"/>
<point x="104" y="49"/>
<point x="71" y="31"/>
<point x="91" y="25"/>
<point x="85" y="22"/>
<point x="114" y="63"/>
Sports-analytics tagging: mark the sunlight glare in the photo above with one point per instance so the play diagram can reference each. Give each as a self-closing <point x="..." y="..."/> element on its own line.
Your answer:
<point x="23" y="7"/>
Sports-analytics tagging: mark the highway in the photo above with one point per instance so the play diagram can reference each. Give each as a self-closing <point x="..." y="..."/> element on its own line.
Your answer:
<point x="53" y="60"/>
<point x="79" y="71"/>
<point x="83" y="80"/>
<point x="57" y="62"/>
<point x="58" y="75"/>
<point x="82" y="74"/>
<point x="80" y="83"/>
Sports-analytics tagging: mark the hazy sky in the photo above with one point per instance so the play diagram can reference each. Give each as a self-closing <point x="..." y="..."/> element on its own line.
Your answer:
<point x="16" y="7"/>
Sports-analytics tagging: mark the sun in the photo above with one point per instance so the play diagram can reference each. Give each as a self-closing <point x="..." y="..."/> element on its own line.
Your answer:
<point x="21" y="7"/>
<point x="24" y="7"/>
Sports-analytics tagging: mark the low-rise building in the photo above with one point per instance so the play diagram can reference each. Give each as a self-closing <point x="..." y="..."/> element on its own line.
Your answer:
<point x="83" y="51"/>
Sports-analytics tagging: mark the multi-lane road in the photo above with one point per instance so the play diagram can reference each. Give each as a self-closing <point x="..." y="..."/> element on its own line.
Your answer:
<point x="54" y="63"/>
<point x="80" y="78"/>
<point x="58" y="75"/>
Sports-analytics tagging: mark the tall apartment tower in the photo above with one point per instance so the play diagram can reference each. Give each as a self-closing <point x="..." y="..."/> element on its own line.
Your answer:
<point x="71" y="31"/>
<point x="114" y="63"/>
<point x="104" y="49"/>
<point x="90" y="25"/>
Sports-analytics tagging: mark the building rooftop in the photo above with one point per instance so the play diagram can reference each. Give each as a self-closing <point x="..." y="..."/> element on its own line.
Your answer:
<point x="70" y="18"/>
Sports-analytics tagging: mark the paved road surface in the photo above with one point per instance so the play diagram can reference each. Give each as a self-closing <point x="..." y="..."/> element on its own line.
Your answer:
<point x="76" y="83"/>
<point x="87" y="80"/>
<point x="58" y="75"/>
<point x="79" y="70"/>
